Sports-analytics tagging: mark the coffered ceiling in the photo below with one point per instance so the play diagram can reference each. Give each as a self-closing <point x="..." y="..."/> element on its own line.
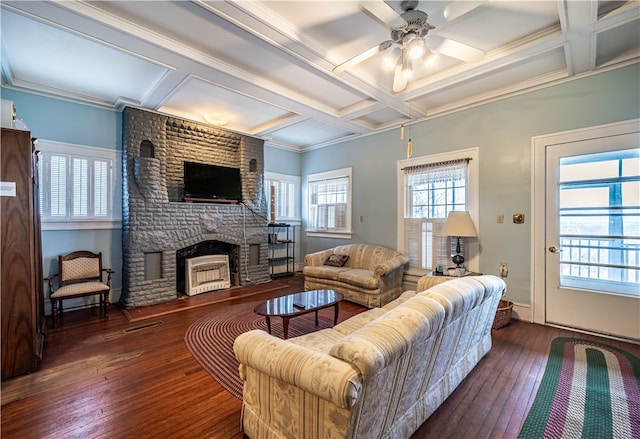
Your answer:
<point x="267" y="66"/>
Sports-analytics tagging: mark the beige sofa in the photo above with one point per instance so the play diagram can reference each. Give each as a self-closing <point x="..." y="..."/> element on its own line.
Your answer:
<point x="379" y="374"/>
<point x="371" y="276"/>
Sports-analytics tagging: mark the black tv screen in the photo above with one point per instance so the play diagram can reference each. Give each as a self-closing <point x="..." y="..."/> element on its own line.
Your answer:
<point x="212" y="182"/>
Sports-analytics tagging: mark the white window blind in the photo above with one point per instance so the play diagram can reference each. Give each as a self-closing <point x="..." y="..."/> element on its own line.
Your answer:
<point x="329" y="202"/>
<point x="100" y="188"/>
<point x="77" y="184"/>
<point x="57" y="182"/>
<point x="80" y="187"/>
<point x="431" y="191"/>
<point x="286" y="193"/>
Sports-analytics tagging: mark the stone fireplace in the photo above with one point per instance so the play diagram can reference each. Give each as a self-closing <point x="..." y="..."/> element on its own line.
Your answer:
<point x="161" y="231"/>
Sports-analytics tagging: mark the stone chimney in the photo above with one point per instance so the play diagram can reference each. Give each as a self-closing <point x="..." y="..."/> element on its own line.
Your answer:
<point x="160" y="230"/>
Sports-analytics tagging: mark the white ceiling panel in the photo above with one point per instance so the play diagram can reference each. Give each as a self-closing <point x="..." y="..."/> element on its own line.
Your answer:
<point x="617" y="42"/>
<point x="40" y="55"/>
<point x="299" y="134"/>
<point x="381" y="118"/>
<point x="244" y="113"/>
<point x="507" y="79"/>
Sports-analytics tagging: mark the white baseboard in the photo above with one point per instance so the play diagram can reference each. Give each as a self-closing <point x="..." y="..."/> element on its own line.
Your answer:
<point x="522" y="312"/>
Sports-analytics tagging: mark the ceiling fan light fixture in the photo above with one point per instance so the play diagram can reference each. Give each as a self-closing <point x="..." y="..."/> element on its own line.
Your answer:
<point x="407" y="70"/>
<point x="392" y="57"/>
<point x="416" y="48"/>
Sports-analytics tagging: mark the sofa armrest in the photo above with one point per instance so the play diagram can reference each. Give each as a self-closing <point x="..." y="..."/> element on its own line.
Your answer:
<point x="318" y="258"/>
<point x="314" y="372"/>
<point x="390" y="266"/>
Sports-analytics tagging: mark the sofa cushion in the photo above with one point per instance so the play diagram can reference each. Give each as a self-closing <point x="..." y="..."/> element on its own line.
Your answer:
<point x="336" y="260"/>
<point x="457" y="298"/>
<point x="400" y="299"/>
<point x="384" y="340"/>
<point x="350" y="250"/>
<point x="319" y="341"/>
<point x="360" y="278"/>
<point x="324" y="271"/>
<point x="358" y="321"/>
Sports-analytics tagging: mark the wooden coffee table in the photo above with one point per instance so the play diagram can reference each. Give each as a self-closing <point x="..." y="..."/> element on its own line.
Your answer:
<point x="298" y="304"/>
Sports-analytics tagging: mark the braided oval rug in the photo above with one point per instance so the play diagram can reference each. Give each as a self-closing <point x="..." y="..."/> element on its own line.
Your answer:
<point x="210" y="339"/>
<point x="588" y="390"/>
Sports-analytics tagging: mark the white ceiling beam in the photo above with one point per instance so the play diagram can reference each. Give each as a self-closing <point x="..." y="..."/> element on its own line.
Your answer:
<point x="577" y="21"/>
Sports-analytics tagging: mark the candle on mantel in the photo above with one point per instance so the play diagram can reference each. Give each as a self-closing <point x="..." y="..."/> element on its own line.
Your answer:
<point x="273" y="204"/>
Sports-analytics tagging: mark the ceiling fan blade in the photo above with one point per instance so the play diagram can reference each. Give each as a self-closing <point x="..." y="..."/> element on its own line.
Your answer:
<point x="455" y="9"/>
<point x="399" y="80"/>
<point x="384" y="13"/>
<point x="452" y="11"/>
<point x="454" y="49"/>
<point x="362" y="57"/>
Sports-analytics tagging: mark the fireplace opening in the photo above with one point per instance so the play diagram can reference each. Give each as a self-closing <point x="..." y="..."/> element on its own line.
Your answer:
<point x="206" y="248"/>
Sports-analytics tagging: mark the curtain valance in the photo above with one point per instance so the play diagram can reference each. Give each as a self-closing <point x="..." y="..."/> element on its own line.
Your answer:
<point x="450" y="170"/>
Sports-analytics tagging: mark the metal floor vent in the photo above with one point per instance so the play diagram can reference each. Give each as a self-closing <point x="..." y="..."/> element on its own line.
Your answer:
<point x="141" y="327"/>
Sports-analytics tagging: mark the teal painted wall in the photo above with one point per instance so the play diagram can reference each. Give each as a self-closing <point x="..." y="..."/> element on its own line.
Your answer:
<point x="502" y="131"/>
<point x="63" y="121"/>
<point x="282" y="161"/>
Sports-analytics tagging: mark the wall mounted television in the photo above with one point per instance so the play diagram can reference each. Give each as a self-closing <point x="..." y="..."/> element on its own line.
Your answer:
<point x="212" y="182"/>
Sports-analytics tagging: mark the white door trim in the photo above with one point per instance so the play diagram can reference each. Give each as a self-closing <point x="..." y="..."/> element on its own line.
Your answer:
<point x="538" y="195"/>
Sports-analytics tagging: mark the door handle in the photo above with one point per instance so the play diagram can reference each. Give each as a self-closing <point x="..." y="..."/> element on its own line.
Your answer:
<point x="554" y="249"/>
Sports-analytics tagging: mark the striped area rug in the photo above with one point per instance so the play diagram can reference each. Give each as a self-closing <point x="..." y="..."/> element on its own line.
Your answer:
<point x="210" y="339"/>
<point x="589" y="390"/>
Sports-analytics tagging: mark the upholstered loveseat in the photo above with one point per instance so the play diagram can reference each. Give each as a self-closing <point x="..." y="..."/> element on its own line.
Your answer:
<point x="371" y="274"/>
<point x="379" y="374"/>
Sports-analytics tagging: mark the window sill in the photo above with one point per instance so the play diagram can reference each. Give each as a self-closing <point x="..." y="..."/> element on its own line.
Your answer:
<point x="82" y="225"/>
<point x="336" y="235"/>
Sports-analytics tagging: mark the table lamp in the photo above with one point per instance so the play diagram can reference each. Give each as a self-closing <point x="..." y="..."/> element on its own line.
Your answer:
<point x="458" y="224"/>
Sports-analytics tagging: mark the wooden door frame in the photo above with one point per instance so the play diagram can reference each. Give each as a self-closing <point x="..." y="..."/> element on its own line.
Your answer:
<point x="539" y="146"/>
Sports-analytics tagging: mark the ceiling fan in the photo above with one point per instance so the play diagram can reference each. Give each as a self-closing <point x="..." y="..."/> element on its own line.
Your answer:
<point x="411" y="41"/>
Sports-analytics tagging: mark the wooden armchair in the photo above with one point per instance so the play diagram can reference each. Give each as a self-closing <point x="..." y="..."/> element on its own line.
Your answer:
<point x="79" y="275"/>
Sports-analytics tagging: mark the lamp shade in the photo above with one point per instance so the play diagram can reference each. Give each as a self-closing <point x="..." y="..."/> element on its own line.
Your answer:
<point x="459" y="223"/>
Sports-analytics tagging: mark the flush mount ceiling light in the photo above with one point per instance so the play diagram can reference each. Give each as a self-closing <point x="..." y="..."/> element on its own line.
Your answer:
<point x="410" y="33"/>
<point x="216" y="118"/>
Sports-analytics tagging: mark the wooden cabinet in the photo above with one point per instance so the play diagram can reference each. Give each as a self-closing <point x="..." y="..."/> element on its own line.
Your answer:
<point x="21" y="279"/>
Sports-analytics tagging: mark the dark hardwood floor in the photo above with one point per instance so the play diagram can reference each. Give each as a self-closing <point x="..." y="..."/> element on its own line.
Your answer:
<point x="132" y="376"/>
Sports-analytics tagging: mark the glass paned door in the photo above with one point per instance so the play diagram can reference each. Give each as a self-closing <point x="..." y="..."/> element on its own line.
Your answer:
<point x="593" y="235"/>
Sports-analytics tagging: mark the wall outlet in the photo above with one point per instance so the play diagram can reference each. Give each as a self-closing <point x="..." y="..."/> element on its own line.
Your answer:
<point x="504" y="270"/>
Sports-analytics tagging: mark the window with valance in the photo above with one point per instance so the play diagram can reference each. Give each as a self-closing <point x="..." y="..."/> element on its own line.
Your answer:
<point x="431" y="191"/>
